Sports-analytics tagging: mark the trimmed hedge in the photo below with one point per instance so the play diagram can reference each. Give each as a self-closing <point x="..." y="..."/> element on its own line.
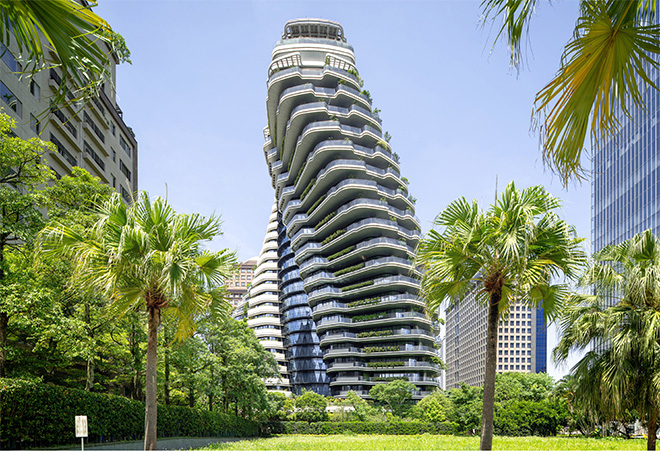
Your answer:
<point x="355" y="286"/>
<point x="341" y="252"/>
<point x="375" y="333"/>
<point x="35" y="414"/>
<point x="341" y="272"/>
<point x="331" y="237"/>
<point x="326" y="427"/>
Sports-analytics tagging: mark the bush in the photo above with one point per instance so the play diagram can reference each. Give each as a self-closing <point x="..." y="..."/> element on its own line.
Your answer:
<point x="370" y="428"/>
<point x="341" y="272"/>
<point x="361" y="302"/>
<point x="342" y="252"/>
<point x="355" y="286"/>
<point x="333" y="236"/>
<point x="375" y="333"/>
<point x="35" y="414"/>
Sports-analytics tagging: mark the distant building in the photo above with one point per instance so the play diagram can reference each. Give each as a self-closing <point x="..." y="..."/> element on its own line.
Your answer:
<point x="522" y="343"/>
<point x="261" y="305"/>
<point x="240" y="281"/>
<point x="92" y="135"/>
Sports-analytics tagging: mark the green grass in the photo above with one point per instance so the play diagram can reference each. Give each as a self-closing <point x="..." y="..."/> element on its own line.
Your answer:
<point x="426" y="442"/>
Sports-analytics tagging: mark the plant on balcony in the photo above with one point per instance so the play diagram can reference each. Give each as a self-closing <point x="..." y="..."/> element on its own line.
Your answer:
<point x="405" y="180"/>
<point x="412" y="199"/>
<point x="371" y="316"/>
<point x="323" y="221"/>
<point x="375" y="333"/>
<point x="386" y="364"/>
<point x="384" y="145"/>
<point x="300" y="173"/>
<point x="355" y="286"/>
<point x="341" y="272"/>
<point x="310" y="185"/>
<point x="340" y="253"/>
<point x="370" y="349"/>
<point x="361" y="302"/>
<point x="315" y="204"/>
<point x="395" y="157"/>
<point x="333" y="236"/>
<point x="389" y="378"/>
<point x="367" y="94"/>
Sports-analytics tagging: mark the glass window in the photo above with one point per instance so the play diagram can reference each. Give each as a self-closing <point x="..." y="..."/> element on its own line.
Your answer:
<point x="35" y="89"/>
<point x="11" y="100"/>
<point x="35" y="125"/>
<point x="10" y="60"/>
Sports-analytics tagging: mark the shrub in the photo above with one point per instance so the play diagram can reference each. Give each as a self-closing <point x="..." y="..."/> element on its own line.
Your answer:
<point x="349" y="269"/>
<point x="35" y="414"/>
<point x="355" y="286"/>
<point x="361" y="302"/>
<point x="371" y="316"/>
<point x="340" y="253"/>
<point x="333" y="236"/>
<point x="375" y="333"/>
<point x="385" y="364"/>
<point x="323" y="221"/>
<point x="370" y="349"/>
<point x="316" y="204"/>
<point x="308" y="188"/>
<point x="357" y="427"/>
<point x="302" y="168"/>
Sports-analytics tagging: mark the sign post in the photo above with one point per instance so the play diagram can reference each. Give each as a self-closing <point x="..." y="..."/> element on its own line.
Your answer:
<point x="81" y="429"/>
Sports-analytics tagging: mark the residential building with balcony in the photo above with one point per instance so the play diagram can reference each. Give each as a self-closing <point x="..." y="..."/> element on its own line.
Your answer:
<point x="91" y="135"/>
<point x="351" y="317"/>
<point x="261" y="305"/>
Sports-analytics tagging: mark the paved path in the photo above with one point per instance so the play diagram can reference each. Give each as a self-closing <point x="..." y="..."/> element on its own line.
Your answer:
<point x="164" y="444"/>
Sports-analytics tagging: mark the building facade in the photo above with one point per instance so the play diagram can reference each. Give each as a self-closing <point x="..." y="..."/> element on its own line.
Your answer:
<point x="625" y="187"/>
<point x="90" y="135"/>
<point x="239" y="282"/>
<point x="347" y="231"/>
<point x="521" y="343"/>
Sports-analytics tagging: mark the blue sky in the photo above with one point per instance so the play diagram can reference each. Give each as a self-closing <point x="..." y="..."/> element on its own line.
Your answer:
<point x="459" y="116"/>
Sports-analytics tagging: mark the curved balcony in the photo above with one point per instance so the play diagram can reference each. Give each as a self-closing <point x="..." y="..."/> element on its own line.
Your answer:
<point x="396" y="334"/>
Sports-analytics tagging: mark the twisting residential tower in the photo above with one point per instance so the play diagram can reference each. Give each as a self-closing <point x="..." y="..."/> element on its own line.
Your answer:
<point x="347" y="230"/>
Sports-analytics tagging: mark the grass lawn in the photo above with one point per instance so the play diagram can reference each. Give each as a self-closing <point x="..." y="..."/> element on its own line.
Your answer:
<point x="425" y="442"/>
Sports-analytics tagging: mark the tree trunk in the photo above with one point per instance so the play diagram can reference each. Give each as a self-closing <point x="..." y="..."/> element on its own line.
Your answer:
<point x="652" y="430"/>
<point x="151" y="414"/>
<point x="489" y="379"/>
<point x="167" y="366"/>
<point x="4" y="320"/>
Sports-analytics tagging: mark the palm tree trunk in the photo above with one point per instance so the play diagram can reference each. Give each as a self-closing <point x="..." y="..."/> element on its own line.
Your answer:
<point x="489" y="379"/>
<point x="151" y="413"/>
<point x="652" y="430"/>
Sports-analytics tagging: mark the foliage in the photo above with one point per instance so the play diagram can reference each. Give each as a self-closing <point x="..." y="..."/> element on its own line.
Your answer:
<point x="613" y="46"/>
<point x="348" y="269"/>
<point x="333" y="236"/>
<point x="544" y="417"/>
<point x="37" y="414"/>
<point x="82" y="40"/>
<point x="341" y="252"/>
<point x="310" y="407"/>
<point x="395" y="395"/>
<point x="323" y="221"/>
<point x="356" y="427"/>
<point x="355" y="286"/>
<point x="621" y="372"/>
<point x="375" y="333"/>
<point x="434" y="408"/>
<point x="361" y="302"/>
<point x="370" y="349"/>
<point x="315" y="204"/>
<point x="467" y="403"/>
<point x="369" y="317"/>
<point x="307" y="189"/>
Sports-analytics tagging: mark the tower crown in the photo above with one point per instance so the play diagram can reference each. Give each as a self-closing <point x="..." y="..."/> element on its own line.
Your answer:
<point x="313" y="28"/>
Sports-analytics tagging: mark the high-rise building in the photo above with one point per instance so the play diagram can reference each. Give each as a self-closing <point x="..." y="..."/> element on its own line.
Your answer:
<point x="521" y="342"/>
<point x="625" y="179"/>
<point x="261" y="305"/>
<point x="351" y="316"/>
<point x="239" y="282"/>
<point x="91" y="135"/>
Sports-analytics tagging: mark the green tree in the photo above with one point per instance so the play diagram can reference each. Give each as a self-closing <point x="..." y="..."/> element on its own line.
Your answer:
<point x="311" y="407"/>
<point x="22" y="171"/>
<point x="146" y="257"/>
<point x="466" y="407"/>
<point x="395" y="395"/>
<point x="603" y="67"/>
<point x="435" y="407"/>
<point x="508" y="254"/>
<point x="82" y="40"/>
<point x="621" y="372"/>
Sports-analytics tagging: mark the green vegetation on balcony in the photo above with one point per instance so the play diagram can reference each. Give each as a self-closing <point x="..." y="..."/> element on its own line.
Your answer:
<point x="355" y="286"/>
<point x="369" y="317"/>
<point x="302" y="168"/>
<point x="389" y="378"/>
<point x="323" y="221"/>
<point x="386" y="364"/>
<point x="341" y="272"/>
<point x="375" y="333"/>
<point x="316" y="204"/>
<point x="370" y="349"/>
<point x="333" y="236"/>
<point x="361" y="302"/>
<point x="341" y="252"/>
<point x="310" y="185"/>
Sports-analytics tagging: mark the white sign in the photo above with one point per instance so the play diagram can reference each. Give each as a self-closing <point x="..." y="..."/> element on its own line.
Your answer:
<point x="81" y="425"/>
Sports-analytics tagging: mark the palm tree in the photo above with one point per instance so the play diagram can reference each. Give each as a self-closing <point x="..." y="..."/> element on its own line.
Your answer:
<point x="508" y="254"/>
<point x="82" y="40"/>
<point x="147" y="257"/>
<point x="620" y="322"/>
<point x="603" y="68"/>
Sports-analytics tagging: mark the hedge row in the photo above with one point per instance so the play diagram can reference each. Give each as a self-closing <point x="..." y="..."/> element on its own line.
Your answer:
<point x="326" y="427"/>
<point x="35" y="414"/>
